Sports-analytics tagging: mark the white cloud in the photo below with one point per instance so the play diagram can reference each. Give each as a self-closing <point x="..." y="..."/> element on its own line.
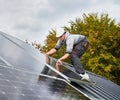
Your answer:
<point x="32" y="19"/>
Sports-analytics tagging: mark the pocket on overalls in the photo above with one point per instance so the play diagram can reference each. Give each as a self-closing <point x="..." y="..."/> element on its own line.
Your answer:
<point x="85" y="45"/>
<point x="79" y="49"/>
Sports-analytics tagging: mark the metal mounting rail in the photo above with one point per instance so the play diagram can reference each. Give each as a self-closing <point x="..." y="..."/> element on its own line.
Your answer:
<point x="64" y="76"/>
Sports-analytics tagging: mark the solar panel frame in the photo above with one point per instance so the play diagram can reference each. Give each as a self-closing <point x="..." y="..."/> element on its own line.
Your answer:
<point x="29" y="87"/>
<point x="22" y="75"/>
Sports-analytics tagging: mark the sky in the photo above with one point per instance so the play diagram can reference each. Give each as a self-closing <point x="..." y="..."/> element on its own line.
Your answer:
<point x="32" y="20"/>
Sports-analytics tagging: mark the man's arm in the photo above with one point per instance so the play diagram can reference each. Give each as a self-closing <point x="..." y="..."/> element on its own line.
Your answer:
<point x="59" y="61"/>
<point x="52" y="51"/>
<point x="63" y="58"/>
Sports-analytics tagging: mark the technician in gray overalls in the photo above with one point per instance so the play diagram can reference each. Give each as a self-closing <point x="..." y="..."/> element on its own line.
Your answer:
<point x="76" y="45"/>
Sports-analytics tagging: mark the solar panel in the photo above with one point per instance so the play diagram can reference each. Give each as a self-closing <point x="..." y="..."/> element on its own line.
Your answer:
<point x="22" y="77"/>
<point x="17" y="84"/>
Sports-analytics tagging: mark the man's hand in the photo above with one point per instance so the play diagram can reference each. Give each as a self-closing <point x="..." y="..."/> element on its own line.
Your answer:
<point x="47" y="59"/>
<point x="59" y="62"/>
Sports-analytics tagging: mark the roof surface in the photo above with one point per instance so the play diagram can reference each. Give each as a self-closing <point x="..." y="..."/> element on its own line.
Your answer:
<point x="21" y="78"/>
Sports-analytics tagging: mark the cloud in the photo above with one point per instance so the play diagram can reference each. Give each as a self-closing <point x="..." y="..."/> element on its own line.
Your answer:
<point x="32" y="19"/>
<point x="24" y="16"/>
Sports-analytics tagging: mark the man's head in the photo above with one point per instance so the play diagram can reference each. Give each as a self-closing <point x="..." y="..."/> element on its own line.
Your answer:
<point x="59" y="32"/>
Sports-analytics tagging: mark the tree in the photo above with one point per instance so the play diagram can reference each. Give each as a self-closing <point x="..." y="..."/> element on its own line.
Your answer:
<point x="50" y="43"/>
<point x="104" y="50"/>
<point x="103" y="34"/>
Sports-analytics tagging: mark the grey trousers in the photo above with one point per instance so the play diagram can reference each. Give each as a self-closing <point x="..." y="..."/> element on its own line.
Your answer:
<point x="77" y="52"/>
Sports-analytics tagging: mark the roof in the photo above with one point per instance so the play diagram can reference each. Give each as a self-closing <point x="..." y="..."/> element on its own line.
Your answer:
<point x="21" y="78"/>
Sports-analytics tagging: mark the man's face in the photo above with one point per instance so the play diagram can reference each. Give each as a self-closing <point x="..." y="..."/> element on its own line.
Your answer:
<point x="62" y="37"/>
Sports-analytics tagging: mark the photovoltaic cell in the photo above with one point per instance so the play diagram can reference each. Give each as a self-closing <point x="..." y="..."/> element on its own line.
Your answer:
<point x="24" y="77"/>
<point x="20" y="85"/>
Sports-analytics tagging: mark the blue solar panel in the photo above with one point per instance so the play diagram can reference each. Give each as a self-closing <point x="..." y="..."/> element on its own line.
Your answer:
<point x="22" y="77"/>
<point x="21" y="85"/>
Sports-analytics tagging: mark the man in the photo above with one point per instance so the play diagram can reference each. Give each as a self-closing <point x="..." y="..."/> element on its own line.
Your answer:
<point x="75" y="45"/>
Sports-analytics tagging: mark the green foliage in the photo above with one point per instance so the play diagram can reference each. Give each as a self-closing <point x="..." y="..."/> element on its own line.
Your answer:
<point x="103" y="34"/>
<point x="102" y="56"/>
<point x="50" y="43"/>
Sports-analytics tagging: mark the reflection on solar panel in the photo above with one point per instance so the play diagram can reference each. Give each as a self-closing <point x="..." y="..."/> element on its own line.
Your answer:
<point x="102" y="90"/>
<point x="20" y="66"/>
<point x="21" y="77"/>
<point x="20" y="85"/>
